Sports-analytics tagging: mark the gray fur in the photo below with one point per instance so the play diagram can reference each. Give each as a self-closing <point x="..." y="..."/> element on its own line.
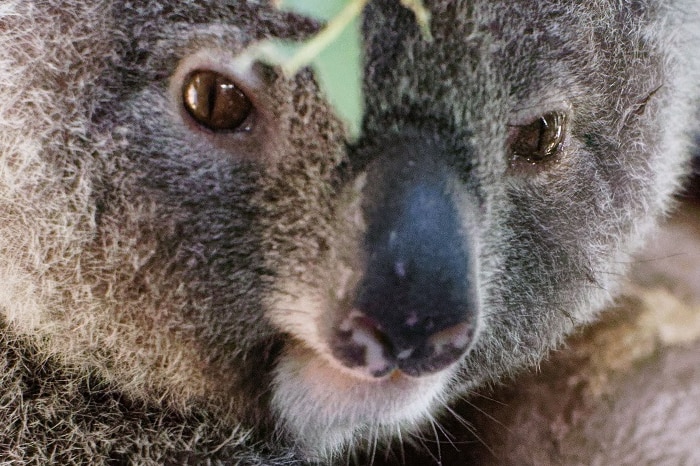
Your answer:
<point x="166" y="292"/>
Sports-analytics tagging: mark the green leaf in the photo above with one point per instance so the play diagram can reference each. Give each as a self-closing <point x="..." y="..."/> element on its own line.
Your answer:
<point x="335" y="27"/>
<point x="275" y="52"/>
<point x="335" y="53"/>
<point x="335" y="56"/>
<point x="338" y="70"/>
<point x="321" y="10"/>
<point x="337" y="67"/>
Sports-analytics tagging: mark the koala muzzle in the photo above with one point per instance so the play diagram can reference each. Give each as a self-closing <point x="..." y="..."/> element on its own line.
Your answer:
<point x="415" y="308"/>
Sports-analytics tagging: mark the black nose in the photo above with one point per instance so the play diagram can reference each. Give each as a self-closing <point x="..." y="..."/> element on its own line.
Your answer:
<point x="416" y="308"/>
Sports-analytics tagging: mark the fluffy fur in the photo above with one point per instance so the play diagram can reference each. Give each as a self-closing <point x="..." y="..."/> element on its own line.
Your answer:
<point x="168" y="293"/>
<point x="624" y="390"/>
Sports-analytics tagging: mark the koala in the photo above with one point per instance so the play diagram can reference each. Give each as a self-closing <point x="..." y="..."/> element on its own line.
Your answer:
<point x="199" y="266"/>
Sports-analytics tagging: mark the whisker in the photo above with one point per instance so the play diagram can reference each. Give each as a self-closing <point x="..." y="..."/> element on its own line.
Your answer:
<point x="374" y="438"/>
<point x="488" y="398"/>
<point x="421" y="440"/>
<point x="437" y="440"/>
<point x="634" y="261"/>
<point x="472" y="430"/>
<point x="399" y="436"/>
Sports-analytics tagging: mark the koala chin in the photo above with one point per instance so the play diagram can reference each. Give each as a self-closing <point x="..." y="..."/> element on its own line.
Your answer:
<point x="198" y="265"/>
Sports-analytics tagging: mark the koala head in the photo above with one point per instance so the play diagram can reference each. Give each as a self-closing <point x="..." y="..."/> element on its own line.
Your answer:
<point x="200" y="231"/>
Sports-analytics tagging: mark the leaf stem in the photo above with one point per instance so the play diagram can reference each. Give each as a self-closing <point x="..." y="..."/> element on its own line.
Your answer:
<point x="320" y="41"/>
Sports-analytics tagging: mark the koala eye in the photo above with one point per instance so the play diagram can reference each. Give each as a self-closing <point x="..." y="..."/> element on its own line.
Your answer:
<point x="214" y="101"/>
<point x="539" y="140"/>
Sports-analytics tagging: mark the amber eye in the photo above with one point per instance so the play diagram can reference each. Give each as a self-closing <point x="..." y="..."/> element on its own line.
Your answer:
<point x="214" y="101"/>
<point x="539" y="140"/>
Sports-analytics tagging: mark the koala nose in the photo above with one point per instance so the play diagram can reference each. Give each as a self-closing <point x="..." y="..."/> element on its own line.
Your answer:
<point x="416" y="308"/>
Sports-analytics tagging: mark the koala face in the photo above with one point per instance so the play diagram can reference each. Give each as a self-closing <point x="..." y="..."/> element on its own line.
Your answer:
<point x="506" y="172"/>
<point x="199" y="231"/>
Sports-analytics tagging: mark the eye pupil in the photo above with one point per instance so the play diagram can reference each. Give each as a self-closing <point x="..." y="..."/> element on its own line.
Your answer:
<point x="540" y="139"/>
<point x="214" y="101"/>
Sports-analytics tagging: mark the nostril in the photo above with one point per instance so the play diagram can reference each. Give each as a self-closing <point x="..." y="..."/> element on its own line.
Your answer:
<point x="363" y="344"/>
<point x="360" y="343"/>
<point x="438" y="351"/>
<point x="458" y="337"/>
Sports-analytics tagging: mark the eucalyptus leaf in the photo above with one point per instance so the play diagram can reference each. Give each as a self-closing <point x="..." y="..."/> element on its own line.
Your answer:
<point x="274" y="52"/>
<point x="338" y="70"/>
<point x="321" y="10"/>
<point x="335" y="53"/>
